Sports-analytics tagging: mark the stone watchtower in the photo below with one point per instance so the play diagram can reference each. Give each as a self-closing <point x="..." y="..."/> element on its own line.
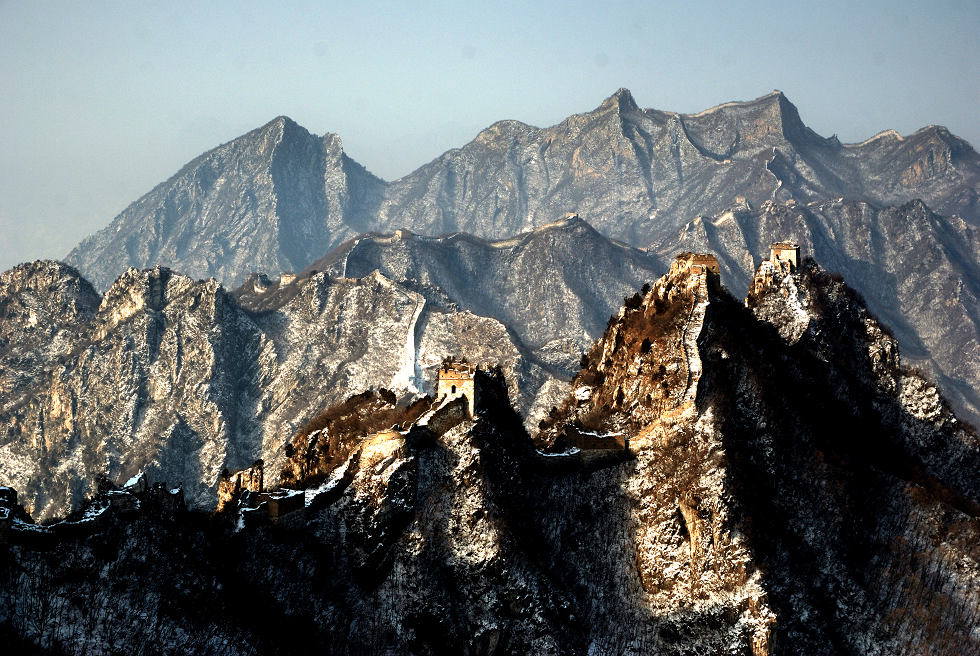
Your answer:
<point x="696" y="262"/>
<point x="455" y="380"/>
<point x="704" y="263"/>
<point x="785" y="251"/>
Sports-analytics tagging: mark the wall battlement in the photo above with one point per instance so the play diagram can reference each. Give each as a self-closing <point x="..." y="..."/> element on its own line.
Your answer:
<point x="697" y="263"/>
<point x="785" y="251"/>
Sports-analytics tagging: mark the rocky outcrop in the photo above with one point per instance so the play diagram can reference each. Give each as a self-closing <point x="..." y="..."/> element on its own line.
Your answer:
<point x="278" y="198"/>
<point x="918" y="271"/>
<point x="272" y="200"/>
<point x="232" y="485"/>
<point x="41" y="305"/>
<point x="805" y="425"/>
<point x="332" y="436"/>
<point x="815" y="497"/>
<point x="183" y="379"/>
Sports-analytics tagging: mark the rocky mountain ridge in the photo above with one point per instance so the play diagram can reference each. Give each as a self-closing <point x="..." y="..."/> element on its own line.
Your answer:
<point x="788" y="487"/>
<point x="637" y="173"/>
<point x="278" y="198"/>
<point x="917" y="270"/>
<point x="182" y="379"/>
<point x="554" y="287"/>
<point x="800" y="427"/>
<point x="274" y="199"/>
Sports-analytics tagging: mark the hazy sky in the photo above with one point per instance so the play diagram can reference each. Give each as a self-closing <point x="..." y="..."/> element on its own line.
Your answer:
<point x="101" y="101"/>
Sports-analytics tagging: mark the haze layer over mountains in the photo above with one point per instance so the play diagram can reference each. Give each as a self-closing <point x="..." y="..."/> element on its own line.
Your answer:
<point x="897" y="216"/>
<point x="225" y="417"/>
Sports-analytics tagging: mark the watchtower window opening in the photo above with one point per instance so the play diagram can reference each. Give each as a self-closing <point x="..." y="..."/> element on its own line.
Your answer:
<point x="454" y="389"/>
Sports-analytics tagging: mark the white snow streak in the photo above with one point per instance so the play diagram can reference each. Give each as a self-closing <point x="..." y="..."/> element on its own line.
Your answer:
<point x="409" y="374"/>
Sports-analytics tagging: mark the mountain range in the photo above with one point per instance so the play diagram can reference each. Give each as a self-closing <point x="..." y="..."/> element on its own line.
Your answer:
<point x="729" y="457"/>
<point x="279" y="197"/>
<point x="723" y="476"/>
<point x="897" y="216"/>
<point x="182" y="379"/>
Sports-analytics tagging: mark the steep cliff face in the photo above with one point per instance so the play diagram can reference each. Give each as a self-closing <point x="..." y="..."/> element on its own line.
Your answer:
<point x="788" y="487"/>
<point x="862" y="498"/>
<point x="41" y="304"/>
<point x="917" y="270"/>
<point x="816" y="494"/>
<point x="553" y="287"/>
<point x="147" y="381"/>
<point x="274" y="199"/>
<point x="278" y="198"/>
<point x="183" y="379"/>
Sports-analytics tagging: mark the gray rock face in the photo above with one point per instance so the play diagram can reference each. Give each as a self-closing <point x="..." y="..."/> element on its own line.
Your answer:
<point x="41" y="306"/>
<point x="532" y="303"/>
<point x="274" y="200"/>
<point x="811" y="496"/>
<point x="176" y="378"/>
<point x="554" y="287"/>
<point x="278" y="198"/>
<point x="636" y="173"/>
<point x="917" y="270"/>
<point x="183" y="379"/>
<point x="815" y="492"/>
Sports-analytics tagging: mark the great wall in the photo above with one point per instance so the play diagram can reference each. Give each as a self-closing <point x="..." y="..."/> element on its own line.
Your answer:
<point x="784" y="256"/>
<point x="692" y="330"/>
<point x="243" y="493"/>
<point x="699" y="267"/>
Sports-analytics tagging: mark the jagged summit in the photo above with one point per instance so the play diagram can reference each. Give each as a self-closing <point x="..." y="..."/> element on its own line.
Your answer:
<point x="280" y="123"/>
<point x="502" y="132"/>
<point x="283" y="120"/>
<point x="775" y="434"/>
<point x="768" y="121"/>
<point x="42" y="304"/>
<point x="279" y="204"/>
<point x="274" y="199"/>
<point x="773" y="96"/>
<point x="37" y="270"/>
<point x="634" y="179"/>
<point x="721" y="478"/>
<point x="265" y="137"/>
<point x="44" y="291"/>
<point x="565" y="303"/>
<point x="792" y="124"/>
<point x="622" y="100"/>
